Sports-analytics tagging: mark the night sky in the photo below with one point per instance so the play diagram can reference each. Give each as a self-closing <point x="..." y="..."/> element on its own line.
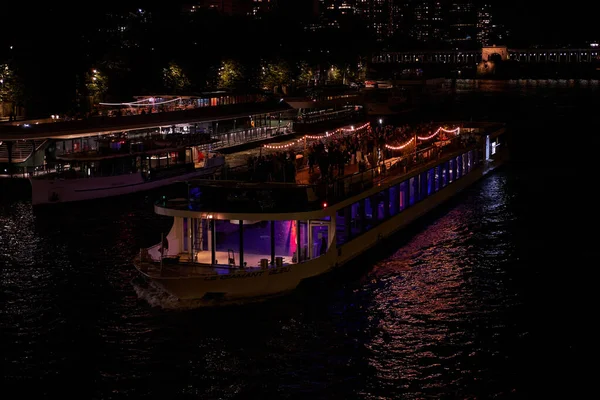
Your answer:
<point x="541" y="21"/>
<point x="50" y="40"/>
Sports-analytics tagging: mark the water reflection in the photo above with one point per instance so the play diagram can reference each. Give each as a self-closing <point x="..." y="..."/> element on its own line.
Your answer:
<point x="459" y="309"/>
<point x="438" y="303"/>
<point x="524" y="86"/>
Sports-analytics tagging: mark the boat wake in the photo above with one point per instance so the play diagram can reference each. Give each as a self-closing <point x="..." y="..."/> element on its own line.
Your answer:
<point x="157" y="297"/>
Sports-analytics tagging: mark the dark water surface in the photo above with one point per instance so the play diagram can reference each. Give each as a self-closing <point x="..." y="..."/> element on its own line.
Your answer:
<point x="491" y="296"/>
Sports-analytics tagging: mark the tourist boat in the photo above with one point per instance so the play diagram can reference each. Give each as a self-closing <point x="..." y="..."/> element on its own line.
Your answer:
<point x="124" y="165"/>
<point x="100" y="156"/>
<point x="283" y="234"/>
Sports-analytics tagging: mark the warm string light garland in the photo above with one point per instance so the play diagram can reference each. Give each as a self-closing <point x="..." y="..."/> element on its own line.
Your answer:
<point x="314" y="137"/>
<point x="387" y="146"/>
<point x="141" y="103"/>
<point x="440" y="129"/>
<point x="282" y="146"/>
<point x="456" y="131"/>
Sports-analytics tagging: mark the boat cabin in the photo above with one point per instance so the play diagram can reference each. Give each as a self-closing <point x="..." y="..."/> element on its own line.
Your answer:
<point x="239" y="225"/>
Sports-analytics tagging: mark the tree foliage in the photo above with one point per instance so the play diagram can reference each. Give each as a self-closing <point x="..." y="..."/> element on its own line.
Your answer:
<point x="174" y="78"/>
<point x="334" y="75"/>
<point x="11" y="89"/>
<point x="306" y="74"/>
<point x="230" y="74"/>
<point x="274" y="74"/>
<point x="96" y="85"/>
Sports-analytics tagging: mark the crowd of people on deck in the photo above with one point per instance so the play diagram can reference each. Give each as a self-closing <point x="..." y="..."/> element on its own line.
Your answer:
<point x="327" y="158"/>
<point x="277" y="166"/>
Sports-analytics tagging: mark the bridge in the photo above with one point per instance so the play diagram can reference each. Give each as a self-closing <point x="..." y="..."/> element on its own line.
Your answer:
<point x="470" y="57"/>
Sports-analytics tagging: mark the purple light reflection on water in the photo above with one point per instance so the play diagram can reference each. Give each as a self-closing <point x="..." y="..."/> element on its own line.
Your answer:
<point x="491" y="298"/>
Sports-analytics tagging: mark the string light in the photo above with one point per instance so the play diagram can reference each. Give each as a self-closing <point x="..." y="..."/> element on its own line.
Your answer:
<point x="141" y="103"/>
<point x="283" y="146"/>
<point x="315" y="137"/>
<point x="440" y="129"/>
<point x="401" y="146"/>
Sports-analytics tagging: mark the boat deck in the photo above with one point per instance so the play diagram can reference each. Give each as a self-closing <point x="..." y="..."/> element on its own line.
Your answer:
<point x="203" y="267"/>
<point x="251" y="260"/>
<point x="303" y="176"/>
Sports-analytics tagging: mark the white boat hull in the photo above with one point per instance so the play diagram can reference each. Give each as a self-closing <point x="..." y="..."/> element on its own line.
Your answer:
<point x="52" y="191"/>
<point x="256" y="282"/>
<point x="248" y="282"/>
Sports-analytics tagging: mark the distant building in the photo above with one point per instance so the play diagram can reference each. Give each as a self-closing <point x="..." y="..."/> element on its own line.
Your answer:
<point x="425" y="20"/>
<point x="462" y="24"/>
<point x="484" y="25"/>
<point x="225" y="7"/>
<point x="381" y="16"/>
<point x="125" y="29"/>
<point x="261" y="7"/>
<point x="334" y="13"/>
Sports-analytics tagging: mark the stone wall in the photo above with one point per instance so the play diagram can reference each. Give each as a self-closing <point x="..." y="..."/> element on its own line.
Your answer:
<point x="488" y="52"/>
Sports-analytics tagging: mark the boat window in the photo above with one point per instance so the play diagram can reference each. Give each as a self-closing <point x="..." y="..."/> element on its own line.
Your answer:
<point x="451" y="169"/>
<point x="470" y="161"/>
<point x="422" y="185"/>
<point x="430" y="181"/>
<point x="303" y="240"/>
<point x="413" y="190"/>
<point x="394" y="202"/>
<point x="459" y="171"/>
<point x="285" y="239"/>
<point x="342" y="225"/>
<point x="320" y="239"/>
<point x="444" y="174"/>
<point x="382" y="204"/>
<point x="370" y="214"/>
<point x="403" y="188"/>
<point x="257" y="242"/>
<point x="227" y="241"/>
<point x="357" y="218"/>
<point x="185" y="234"/>
<point x="436" y="183"/>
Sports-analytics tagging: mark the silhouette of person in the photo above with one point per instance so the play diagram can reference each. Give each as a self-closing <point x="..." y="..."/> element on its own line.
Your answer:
<point x="323" y="246"/>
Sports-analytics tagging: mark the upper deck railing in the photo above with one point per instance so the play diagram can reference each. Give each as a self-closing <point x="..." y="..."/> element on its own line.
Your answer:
<point x="166" y="103"/>
<point x="330" y="192"/>
<point x="340" y="189"/>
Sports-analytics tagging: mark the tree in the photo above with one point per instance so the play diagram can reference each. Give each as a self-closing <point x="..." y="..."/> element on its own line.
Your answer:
<point x="174" y="78"/>
<point x="96" y="85"/>
<point x="230" y="74"/>
<point x="306" y="74"/>
<point x="274" y="74"/>
<point x="11" y="89"/>
<point x="334" y="75"/>
<point x="361" y="70"/>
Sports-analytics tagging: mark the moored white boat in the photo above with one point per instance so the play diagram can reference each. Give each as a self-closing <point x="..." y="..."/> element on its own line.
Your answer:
<point x="52" y="189"/>
<point x="304" y="231"/>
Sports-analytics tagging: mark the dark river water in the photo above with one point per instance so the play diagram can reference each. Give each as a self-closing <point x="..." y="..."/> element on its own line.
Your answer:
<point x="491" y="296"/>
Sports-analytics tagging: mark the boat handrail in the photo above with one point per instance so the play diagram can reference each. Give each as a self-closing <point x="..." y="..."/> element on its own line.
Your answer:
<point x="342" y="188"/>
<point x="94" y="155"/>
<point x="345" y="187"/>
